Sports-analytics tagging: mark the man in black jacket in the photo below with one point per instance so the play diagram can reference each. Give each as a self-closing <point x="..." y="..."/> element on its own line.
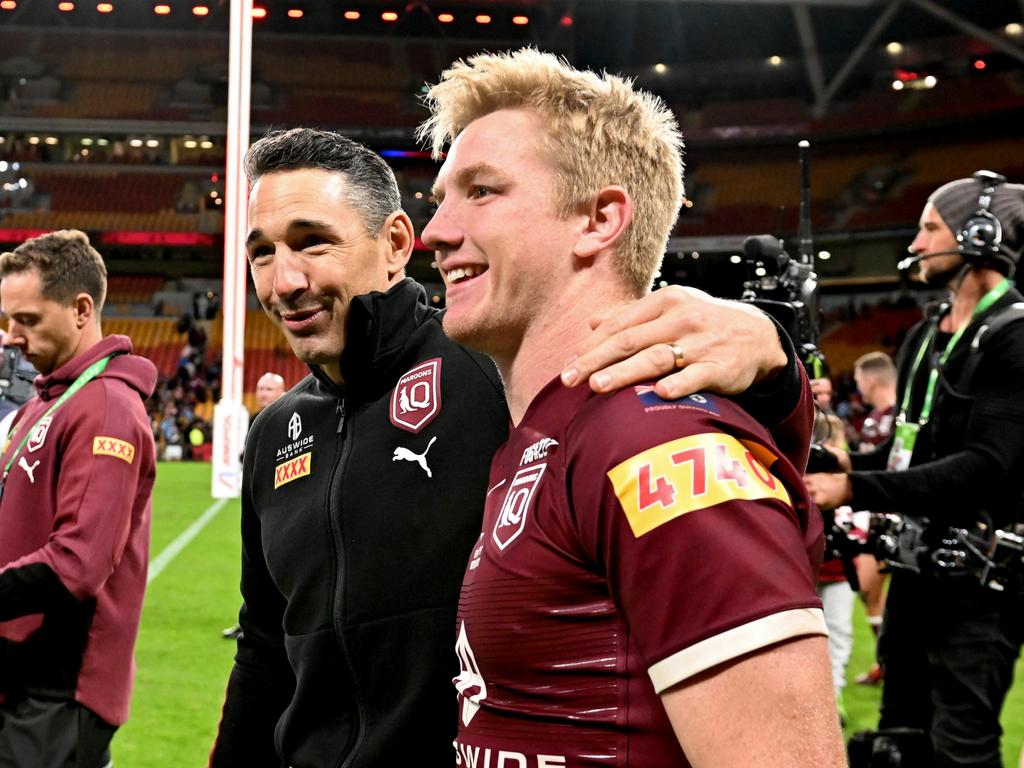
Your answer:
<point x="955" y="459"/>
<point x="364" y="485"/>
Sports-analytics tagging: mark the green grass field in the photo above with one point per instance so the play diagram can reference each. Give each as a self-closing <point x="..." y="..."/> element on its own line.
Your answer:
<point x="183" y="662"/>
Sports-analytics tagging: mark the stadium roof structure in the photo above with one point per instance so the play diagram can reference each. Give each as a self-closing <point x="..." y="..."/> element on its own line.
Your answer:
<point x="816" y="50"/>
<point x="689" y="51"/>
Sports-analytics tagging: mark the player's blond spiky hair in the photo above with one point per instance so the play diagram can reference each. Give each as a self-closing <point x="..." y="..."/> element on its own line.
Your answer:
<point x="600" y="131"/>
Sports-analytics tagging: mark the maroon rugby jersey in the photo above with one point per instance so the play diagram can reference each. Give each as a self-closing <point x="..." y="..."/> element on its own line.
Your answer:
<point x="877" y="428"/>
<point x="628" y="544"/>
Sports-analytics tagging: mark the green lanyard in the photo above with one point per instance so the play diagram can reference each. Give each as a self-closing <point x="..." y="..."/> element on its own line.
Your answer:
<point x="987" y="301"/>
<point x="86" y="376"/>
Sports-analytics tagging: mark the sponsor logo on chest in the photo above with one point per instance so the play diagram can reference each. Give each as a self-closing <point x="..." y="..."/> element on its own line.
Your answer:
<point x="298" y="442"/>
<point x="295" y="459"/>
<point x="416" y="398"/>
<point x="537" y="451"/>
<point x="298" y="467"/>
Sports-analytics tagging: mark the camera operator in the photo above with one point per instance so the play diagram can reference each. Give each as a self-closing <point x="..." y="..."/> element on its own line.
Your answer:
<point x="955" y="459"/>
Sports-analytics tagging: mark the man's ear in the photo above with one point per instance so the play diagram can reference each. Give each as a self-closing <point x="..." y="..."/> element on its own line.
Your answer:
<point x="85" y="310"/>
<point x="609" y="214"/>
<point x="400" y="239"/>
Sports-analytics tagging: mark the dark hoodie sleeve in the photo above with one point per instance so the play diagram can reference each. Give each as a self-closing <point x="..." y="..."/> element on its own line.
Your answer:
<point x="262" y="682"/>
<point x="784" y="404"/>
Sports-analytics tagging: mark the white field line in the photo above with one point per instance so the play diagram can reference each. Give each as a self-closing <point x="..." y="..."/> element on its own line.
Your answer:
<point x="172" y="550"/>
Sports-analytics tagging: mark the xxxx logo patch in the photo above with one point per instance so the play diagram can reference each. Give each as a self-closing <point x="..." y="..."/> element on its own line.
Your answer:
<point x="111" y="446"/>
<point x="298" y="467"/>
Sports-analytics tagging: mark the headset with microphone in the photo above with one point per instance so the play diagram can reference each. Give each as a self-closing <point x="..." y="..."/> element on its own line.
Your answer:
<point x="980" y="238"/>
<point x="907" y="263"/>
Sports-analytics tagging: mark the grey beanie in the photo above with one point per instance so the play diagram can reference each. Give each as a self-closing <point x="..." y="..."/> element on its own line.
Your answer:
<point x="957" y="202"/>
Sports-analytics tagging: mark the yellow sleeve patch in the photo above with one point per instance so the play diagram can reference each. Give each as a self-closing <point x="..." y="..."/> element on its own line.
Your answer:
<point x="111" y="446"/>
<point x="692" y="473"/>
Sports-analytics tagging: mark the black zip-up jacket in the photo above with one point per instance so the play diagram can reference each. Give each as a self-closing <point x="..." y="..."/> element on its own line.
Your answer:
<point x="353" y="554"/>
<point x="969" y="459"/>
<point x="352" y="565"/>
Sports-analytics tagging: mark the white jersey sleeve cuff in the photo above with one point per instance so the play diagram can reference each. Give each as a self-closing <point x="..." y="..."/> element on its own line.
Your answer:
<point x="736" y="642"/>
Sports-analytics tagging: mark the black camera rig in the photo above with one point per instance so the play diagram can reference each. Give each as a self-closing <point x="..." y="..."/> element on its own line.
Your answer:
<point x="16" y="376"/>
<point x="786" y="287"/>
<point x="993" y="556"/>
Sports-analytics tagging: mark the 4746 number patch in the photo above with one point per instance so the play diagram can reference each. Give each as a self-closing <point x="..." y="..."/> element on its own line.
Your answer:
<point x="692" y="473"/>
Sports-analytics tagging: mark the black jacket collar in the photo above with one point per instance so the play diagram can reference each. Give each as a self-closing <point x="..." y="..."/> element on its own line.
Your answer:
<point x="379" y="327"/>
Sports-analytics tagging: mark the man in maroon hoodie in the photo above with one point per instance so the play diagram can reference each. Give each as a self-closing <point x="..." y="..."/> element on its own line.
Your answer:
<point x="78" y="469"/>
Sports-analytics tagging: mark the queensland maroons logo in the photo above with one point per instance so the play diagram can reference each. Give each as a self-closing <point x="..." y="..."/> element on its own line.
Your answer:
<point x="416" y="398"/>
<point x="516" y="506"/>
<point x="38" y="434"/>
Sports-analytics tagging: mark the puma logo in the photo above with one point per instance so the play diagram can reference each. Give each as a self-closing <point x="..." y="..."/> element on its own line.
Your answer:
<point x="404" y="454"/>
<point x="29" y="470"/>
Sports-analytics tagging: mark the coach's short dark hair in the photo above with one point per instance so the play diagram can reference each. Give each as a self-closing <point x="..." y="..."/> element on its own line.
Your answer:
<point x="68" y="265"/>
<point x="371" y="190"/>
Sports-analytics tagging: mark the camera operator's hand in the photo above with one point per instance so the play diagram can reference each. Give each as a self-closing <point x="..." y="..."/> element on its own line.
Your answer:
<point x="829" y="490"/>
<point x="841" y="456"/>
<point x="727" y="346"/>
<point x="822" y="391"/>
